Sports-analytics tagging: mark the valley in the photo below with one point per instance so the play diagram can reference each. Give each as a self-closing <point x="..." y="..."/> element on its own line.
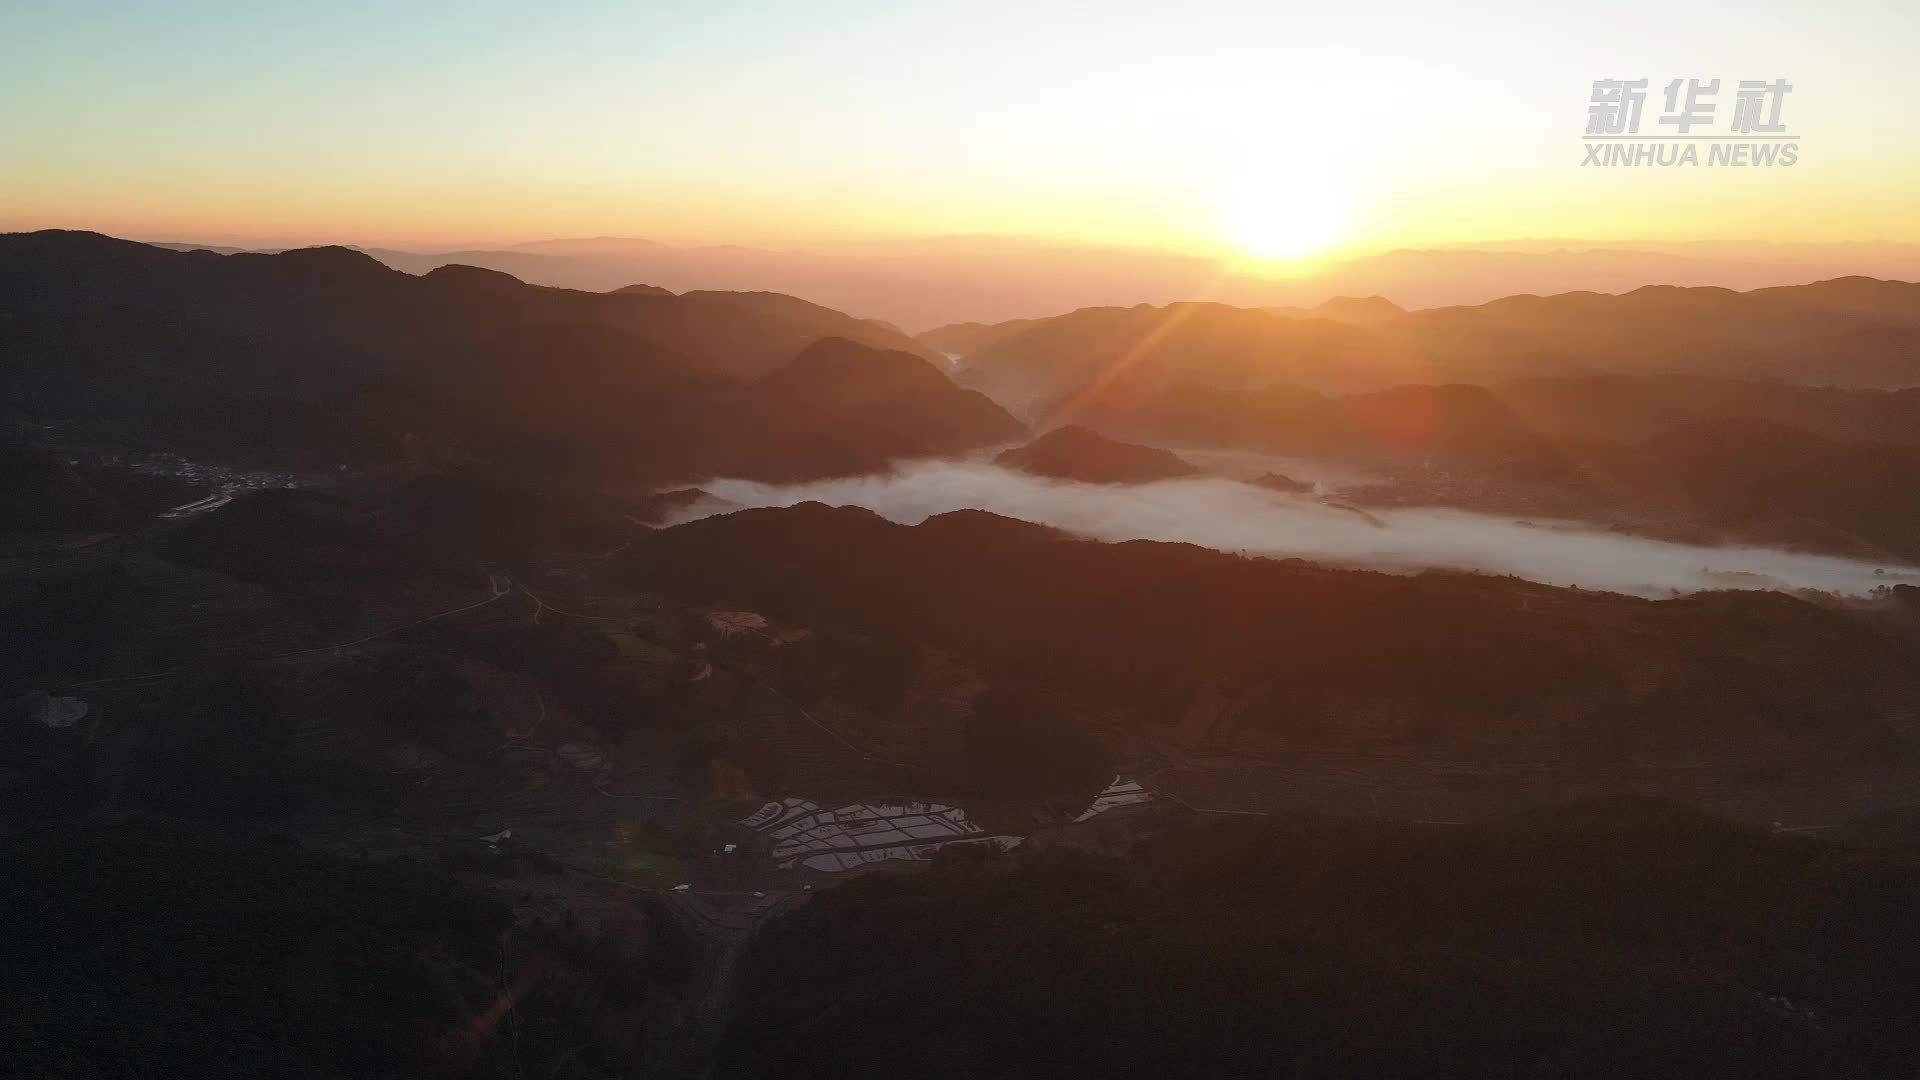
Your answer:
<point x="614" y="643"/>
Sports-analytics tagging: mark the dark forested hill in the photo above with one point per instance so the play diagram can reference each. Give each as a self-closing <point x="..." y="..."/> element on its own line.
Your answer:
<point x="1185" y="646"/>
<point x="321" y="356"/>
<point x="161" y="950"/>
<point x="1620" y="938"/>
<point x="1074" y="453"/>
<point x="840" y="407"/>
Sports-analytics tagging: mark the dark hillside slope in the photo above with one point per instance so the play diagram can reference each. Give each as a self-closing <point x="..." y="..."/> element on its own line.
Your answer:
<point x="1448" y="665"/>
<point x="840" y="407"/>
<point x="157" y="950"/>
<point x="1620" y="938"/>
<point x="321" y="357"/>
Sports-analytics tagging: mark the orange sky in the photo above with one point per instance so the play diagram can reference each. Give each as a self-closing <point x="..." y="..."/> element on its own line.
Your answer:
<point x="1357" y="128"/>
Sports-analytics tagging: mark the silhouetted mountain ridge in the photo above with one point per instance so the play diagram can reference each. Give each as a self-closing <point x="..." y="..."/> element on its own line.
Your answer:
<point x="1075" y="453"/>
<point x="321" y="356"/>
<point x="1848" y="331"/>
<point x="853" y="409"/>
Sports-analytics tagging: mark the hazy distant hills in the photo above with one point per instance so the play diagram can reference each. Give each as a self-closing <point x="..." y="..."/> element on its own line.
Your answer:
<point x="1452" y="423"/>
<point x="1847" y="332"/>
<point x="921" y="283"/>
<point x="1191" y="342"/>
<point x="1358" y="310"/>
<point x="1819" y="468"/>
<point x="966" y="339"/>
<point x="1631" y="407"/>
<point x="324" y="355"/>
<point x="961" y="339"/>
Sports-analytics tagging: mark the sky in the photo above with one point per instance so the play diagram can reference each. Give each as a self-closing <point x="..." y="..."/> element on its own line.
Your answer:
<point x="1203" y="126"/>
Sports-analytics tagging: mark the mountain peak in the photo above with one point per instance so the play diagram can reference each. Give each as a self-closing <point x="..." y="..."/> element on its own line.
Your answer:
<point x="1076" y="453"/>
<point x="1360" y="309"/>
<point x="839" y="360"/>
<point x="462" y="274"/>
<point x="325" y="259"/>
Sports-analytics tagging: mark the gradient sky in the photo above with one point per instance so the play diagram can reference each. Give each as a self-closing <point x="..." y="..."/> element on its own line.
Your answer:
<point x="1146" y="124"/>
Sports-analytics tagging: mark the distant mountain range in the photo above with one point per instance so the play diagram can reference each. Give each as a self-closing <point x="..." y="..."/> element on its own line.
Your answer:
<point x="1708" y="459"/>
<point x="1678" y="411"/>
<point x="1852" y="331"/>
<point x="924" y="283"/>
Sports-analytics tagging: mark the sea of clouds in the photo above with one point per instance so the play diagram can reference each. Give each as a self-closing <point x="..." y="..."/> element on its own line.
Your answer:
<point x="1229" y="515"/>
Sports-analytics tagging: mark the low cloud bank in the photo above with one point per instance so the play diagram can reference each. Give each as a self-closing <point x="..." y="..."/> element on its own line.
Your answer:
<point x="1230" y="516"/>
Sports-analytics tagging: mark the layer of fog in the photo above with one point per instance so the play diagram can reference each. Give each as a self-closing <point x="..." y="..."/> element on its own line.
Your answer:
<point x="1231" y="516"/>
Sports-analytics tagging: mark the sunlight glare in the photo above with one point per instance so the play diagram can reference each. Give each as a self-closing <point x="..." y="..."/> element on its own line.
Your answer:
<point x="1287" y="216"/>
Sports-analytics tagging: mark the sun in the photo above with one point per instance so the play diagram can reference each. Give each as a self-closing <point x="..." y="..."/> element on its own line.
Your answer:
<point x="1287" y="217"/>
